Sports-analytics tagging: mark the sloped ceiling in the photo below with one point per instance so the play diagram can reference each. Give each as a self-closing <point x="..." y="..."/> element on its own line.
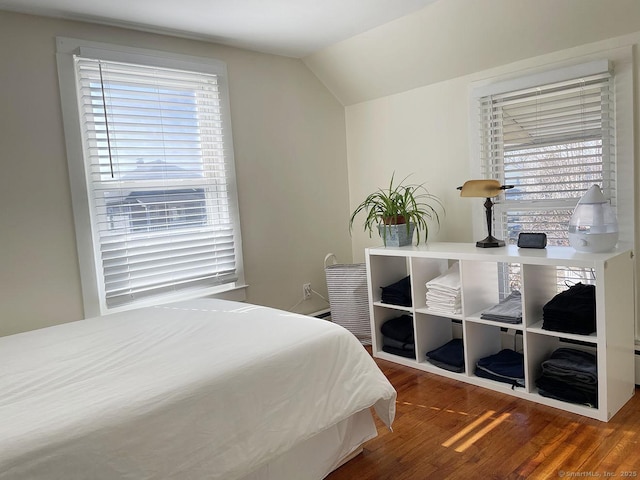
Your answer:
<point x="292" y="28"/>
<point x="452" y="38"/>
<point x="367" y="49"/>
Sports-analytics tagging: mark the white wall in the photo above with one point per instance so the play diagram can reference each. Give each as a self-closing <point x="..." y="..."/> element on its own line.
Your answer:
<point x="290" y="149"/>
<point x="421" y="133"/>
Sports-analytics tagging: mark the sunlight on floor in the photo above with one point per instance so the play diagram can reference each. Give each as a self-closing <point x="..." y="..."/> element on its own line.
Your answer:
<point x="432" y="408"/>
<point x="468" y="437"/>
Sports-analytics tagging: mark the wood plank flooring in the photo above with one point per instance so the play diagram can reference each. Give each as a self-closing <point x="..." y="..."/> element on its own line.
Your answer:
<point x="450" y="430"/>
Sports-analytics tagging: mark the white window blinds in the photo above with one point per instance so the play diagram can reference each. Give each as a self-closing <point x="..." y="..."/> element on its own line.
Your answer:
<point x="552" y="142"/>
<point x="159" y="179"/>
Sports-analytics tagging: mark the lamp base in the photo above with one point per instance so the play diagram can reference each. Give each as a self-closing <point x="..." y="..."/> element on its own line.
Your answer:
<point x="490" y="242"/>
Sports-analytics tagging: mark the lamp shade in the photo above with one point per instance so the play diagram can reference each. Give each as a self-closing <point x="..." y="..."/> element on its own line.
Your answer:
<point x="593" y="226"/>
<point x="481" y="188"/>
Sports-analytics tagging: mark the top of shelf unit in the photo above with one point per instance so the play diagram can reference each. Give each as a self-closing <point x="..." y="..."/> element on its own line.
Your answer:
<point x="511" y="253"/>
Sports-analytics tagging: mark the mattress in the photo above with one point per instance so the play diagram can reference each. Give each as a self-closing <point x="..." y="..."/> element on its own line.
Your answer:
<point x="200" y="389"/>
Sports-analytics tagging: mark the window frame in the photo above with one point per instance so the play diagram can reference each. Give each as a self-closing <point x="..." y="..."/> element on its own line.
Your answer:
<point x="90" y="271"/>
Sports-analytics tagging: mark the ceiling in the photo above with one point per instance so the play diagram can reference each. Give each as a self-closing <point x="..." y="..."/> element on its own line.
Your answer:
<point x="294" y="28"/>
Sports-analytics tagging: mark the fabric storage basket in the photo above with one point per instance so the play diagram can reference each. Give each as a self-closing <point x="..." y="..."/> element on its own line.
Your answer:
<point x="348" y="297"/>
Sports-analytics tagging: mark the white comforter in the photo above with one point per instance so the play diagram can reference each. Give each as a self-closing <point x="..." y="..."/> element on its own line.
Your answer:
<point x="206" y="389"/>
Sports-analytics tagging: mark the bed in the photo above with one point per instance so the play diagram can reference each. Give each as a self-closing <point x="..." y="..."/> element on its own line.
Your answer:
<point x="203" y="389"/>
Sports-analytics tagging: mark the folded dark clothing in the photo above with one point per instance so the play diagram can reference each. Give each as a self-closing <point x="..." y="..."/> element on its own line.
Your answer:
<point x="390" y="342"/>
<point x="446" y="366"/>
<point x="554" y="388"/>
<point x="571" y="311"/>
<point x="400" y="351"/>
<point x="451" y="353"/>
<point x="398" y="293"/>
<point x="567" y="325"/>
<point x="395" y="300"/>
<point x="558" y="386"/>
<point x="505" y="366"/>
<point x="399" y="328"/>
<point x="401" y="286"/>
<point x="580" y="293"/>
<point x="590" y="402"/>
<point x="572" y="366"/>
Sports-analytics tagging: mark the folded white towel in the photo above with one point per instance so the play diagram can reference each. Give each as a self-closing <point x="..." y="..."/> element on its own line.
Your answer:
<point x="444" y="301"/>
<point x="450" y="280"/>
<point x="441" y="296"/>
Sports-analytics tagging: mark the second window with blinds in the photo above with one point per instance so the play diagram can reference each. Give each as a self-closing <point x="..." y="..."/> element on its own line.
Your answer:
<point x="551" y="141"/>
<point x="551" y="136"/>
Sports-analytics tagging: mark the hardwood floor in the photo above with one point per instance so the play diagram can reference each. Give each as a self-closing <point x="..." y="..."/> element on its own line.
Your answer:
<point x="450" y="430"/>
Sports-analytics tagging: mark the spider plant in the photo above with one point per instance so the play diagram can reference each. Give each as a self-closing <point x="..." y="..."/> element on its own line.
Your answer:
<point x="397" y="205"/>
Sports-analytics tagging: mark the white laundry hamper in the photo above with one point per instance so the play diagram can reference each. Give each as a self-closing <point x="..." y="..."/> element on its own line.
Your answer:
<point x="348" y="297"/>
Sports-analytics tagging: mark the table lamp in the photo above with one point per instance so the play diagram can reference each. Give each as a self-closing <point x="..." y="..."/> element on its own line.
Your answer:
<point x="485" y="189"/>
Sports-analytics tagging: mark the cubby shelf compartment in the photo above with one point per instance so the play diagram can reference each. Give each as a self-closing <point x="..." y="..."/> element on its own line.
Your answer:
<point x="612" y="343"/>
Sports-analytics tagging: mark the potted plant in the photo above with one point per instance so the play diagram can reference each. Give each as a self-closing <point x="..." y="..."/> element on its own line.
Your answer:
<point x="399" y="210"/>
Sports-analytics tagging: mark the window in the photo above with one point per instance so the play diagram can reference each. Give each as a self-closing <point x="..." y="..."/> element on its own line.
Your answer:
<point x="551" y="140"/>
<point x="158" y="176"/>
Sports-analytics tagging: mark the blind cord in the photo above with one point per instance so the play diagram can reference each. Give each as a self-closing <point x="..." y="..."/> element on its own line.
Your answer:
<point x="106" y="122"/>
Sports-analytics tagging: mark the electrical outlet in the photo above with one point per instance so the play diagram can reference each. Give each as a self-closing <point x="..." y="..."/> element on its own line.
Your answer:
<point x="306" y="291"/>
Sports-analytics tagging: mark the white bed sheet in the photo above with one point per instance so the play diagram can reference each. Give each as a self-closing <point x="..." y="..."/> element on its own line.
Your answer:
<point x="201" y="389"/>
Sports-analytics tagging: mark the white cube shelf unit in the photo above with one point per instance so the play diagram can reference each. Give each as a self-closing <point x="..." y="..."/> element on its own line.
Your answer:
<point x="612" y="343"/>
